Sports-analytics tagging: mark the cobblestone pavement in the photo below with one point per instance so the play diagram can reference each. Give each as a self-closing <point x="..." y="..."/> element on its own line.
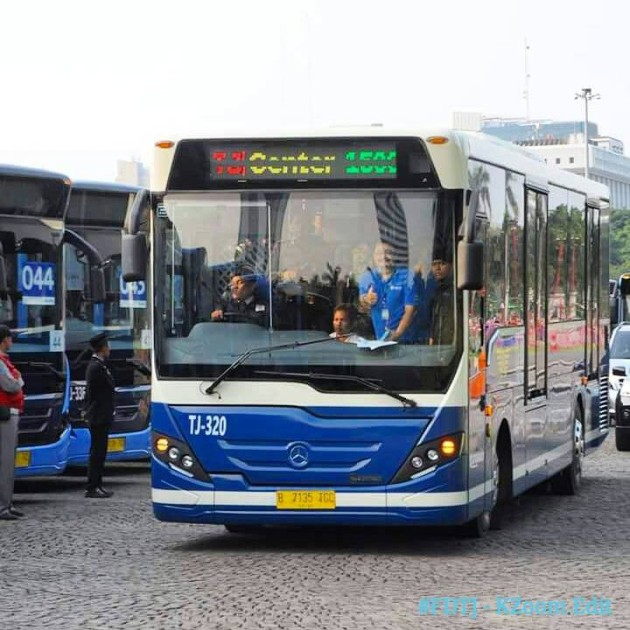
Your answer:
<point x="109" y="564"/>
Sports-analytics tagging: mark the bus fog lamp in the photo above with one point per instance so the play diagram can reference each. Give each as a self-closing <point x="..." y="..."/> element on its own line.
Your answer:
<point x="433" y="455"/>
<point x="187" y="461"/>
<point x="161" y="445"/>
<point x="417" y="462"/>
<point x="173" y="454"/>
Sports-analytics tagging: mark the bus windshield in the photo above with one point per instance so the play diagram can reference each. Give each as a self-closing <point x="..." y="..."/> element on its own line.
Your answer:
<point x="31" y="304"/>
<point x="242" y="270"/>
<point x="123" y="314"/>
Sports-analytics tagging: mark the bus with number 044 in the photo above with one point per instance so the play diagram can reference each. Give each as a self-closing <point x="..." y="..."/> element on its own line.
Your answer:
<point x="96" y="213"/>
<point x="379" y="328"/>
<point x="32" y="206"/>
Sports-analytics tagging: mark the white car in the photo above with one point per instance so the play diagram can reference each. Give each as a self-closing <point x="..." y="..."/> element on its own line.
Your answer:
<point x="619" y="371"/>
<point x="619" y="362"/>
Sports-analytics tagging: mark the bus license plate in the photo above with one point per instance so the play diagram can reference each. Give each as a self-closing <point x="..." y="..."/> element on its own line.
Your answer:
<point x="22" y="459"/>
<point x="306" y="500"/>
<point x="115" y="445"/>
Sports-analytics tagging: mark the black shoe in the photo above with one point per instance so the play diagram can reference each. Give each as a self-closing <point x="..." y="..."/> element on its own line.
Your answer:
<point x="7" y="516"/>
<point x="13" y="510"/>
<point x="97" y="493"/>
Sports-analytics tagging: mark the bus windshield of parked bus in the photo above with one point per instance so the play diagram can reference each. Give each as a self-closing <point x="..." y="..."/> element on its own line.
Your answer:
<point x="371" y="270"/>
<point x="31" y="303"/>
<point x="98" y="218"/>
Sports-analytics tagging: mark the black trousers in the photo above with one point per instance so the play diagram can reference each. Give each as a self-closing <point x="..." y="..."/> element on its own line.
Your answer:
<point x="98" y="452"/>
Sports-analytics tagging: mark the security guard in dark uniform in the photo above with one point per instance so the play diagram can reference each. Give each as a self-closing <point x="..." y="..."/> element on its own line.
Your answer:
<point x="99" y="412"/>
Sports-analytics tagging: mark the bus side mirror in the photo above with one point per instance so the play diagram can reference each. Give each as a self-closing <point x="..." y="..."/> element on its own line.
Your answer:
<point x="470" y="250"/>
<point x="134" y="257"/>
<point x="470" y="265"/>
<point x="97" y="284"/>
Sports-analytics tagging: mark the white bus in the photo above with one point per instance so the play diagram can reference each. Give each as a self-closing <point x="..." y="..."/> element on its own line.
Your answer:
<point x="381" y="327"/>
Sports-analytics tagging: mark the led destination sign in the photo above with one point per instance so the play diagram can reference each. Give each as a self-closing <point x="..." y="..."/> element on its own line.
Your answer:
<point x="279" y="163"/>
<point x="373" y="161"/>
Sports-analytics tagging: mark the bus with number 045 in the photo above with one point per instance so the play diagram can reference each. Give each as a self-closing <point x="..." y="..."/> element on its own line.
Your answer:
<point x="368" y="328"/>
<point x="32" y="206"/>
<point x="96" y="213"/>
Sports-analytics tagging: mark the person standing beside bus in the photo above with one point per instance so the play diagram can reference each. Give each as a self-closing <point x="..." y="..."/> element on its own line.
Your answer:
<point x="99" y="410"/>
<point x="442" y="301"/>
<point x="11" y="405"/>
<point x="391" y="295"/>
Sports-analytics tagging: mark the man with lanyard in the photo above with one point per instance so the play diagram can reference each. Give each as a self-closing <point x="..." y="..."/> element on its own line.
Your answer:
<point x="99" y="411"/>
<point x="11" y="405"/>
<point x="391" y="295"/>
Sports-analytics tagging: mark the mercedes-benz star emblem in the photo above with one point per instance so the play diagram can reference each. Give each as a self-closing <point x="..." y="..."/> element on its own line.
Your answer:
<point x="298" y="455"/>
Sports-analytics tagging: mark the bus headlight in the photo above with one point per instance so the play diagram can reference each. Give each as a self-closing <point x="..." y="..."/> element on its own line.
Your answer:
<point x="430" y="456"/>
<point x="178" y="456"/>
<point x="187" y="462"/>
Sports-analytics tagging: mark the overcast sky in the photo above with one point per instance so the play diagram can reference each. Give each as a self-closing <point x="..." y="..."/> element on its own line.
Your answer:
<point x="85" y="83"/>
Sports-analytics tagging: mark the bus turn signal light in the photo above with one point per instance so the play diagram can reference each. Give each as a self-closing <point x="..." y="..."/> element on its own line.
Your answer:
<point x="437" y="140"/>
<point x="448" y="447"/>
<point x="165" y="144"/>
<point x="161" y="445"/>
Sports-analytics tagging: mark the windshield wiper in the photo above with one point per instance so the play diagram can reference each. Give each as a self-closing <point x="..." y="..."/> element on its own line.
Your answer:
<point x="243" y="357"/>
<point x="407" y="402"/>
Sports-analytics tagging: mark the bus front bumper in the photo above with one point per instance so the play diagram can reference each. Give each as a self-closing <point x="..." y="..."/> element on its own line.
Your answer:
<point x="229" y="500"/>
<point x="129" y="446"/>
<point x="48" y="459"/>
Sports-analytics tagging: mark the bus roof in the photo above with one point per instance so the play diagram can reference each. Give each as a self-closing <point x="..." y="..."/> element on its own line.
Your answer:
<point x="450" y="158"/>
<point x="8" y="170"/>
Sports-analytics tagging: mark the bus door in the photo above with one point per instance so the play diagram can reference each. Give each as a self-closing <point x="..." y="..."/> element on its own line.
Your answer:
<point x="538" y="435"/>
<point x="593" y="351"/>
<point x="479" y="435"/>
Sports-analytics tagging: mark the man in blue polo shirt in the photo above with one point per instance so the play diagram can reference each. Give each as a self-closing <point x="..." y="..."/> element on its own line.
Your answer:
<point x="391" y="296"/>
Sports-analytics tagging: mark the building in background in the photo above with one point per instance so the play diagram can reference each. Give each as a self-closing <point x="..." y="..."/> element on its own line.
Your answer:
<point x="561" y="143"/>
<point x="133" y="173"/>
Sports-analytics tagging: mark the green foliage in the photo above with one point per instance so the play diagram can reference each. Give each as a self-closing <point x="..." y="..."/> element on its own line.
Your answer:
<point x="619" y="242"/>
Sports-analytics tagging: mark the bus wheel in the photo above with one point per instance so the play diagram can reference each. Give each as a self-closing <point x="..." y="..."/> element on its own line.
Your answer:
<point x="495" y="515"/>
<point x="622" y="439"/>
<point x="478" y="527"/>
<point x="569" y="480"/>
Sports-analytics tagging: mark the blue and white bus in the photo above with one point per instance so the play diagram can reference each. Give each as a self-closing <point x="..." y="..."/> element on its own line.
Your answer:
<point x="474" y="372"/>
<point x="32" y="205"/>
<point x="96" y="214"/>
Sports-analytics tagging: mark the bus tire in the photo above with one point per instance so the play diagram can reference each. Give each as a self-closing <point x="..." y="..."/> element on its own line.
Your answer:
<point x="568" y="481"/>
<point x="502" y="477"/>
<point x="479" y="526"/>
<point x="622" y="439"/>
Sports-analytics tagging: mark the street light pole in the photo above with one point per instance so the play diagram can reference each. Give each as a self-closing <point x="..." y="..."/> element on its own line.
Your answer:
<point x="587" y="95"/>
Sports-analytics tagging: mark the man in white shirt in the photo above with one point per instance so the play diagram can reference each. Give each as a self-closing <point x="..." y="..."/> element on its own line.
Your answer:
<point x="344" y="316"/>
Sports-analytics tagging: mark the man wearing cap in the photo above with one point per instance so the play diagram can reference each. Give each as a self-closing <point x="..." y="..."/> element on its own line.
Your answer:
<point x="99" y="411"/>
